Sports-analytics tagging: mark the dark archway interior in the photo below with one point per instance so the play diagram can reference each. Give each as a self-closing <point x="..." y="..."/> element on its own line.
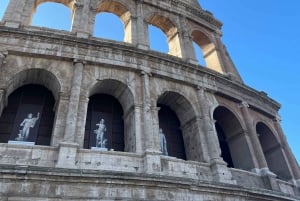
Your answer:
<point x="103" y="106"/>
<point x="273" y="152"/>
<point x="225" y="151"/>
<point x="170" y="124"/>
<point x="28" y="99"/>
<point x="232" y="139"/>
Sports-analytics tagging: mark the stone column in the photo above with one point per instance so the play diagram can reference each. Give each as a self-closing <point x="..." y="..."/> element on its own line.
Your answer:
<point x="290" y="157"/>
<point x="68" y="148"/>
<point x="152" y="152"/>
<point x="71" y="120"/>
<point x="147" y="116"/>
<point x="227" y="63"/>
<point x="61" y="109"/>
<point x="18" y="13"/>
<point x="260" y="162"/>
<point x="187" y="48"/>
<point x="138" y="129"/>
<point x="81" y="120"/>
<point x="218" y="167"/>
<point x="141" y="28"/>
<point x="81" y="19"/>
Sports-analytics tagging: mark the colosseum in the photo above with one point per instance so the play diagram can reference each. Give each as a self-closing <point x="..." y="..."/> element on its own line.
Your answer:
<point x="86" y="118"/>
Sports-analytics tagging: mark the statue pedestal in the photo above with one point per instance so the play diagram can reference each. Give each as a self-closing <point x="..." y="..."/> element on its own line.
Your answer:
<point x="99" y="149"/>
<point x="21" y="143"/>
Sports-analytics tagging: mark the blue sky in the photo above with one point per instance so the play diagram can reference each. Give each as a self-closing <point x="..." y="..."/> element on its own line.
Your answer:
<point x="262" y="37"/>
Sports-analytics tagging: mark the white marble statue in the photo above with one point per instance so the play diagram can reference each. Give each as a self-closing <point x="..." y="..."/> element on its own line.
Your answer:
<point x="100" y="140"/>
<point x="163" y="143"/>
<point x="27" y="123"/>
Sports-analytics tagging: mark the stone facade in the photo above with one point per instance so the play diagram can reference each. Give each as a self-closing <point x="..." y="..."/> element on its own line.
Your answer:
<point x="75" y="66"/>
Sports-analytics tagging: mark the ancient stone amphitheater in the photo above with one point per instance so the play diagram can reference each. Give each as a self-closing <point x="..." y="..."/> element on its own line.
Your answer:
<point x="85" y="118"/>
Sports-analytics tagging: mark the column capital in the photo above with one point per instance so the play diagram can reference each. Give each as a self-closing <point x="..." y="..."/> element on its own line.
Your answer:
<point x="77" y="60"/>
<point x="144" y="73"/>
<point x="277" y="118"/>
<point x="243" y="104"/>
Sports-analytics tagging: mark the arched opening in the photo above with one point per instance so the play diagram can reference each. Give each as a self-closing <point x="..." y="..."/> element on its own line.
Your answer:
<point x="4" y="4"/>
<point x="108" y="22"/>
<point x="177" y="119"/>
<point x="104" y="123"/>
<point x="232" y="139"/>
<point x="170" y="31"/>
<point x="158" y="40"/>
<point x="109" y="26"/>
<point x="116" y="93"/>
<point x="28" y="116"/>
<point x="199" y="55"/>
<point x="53" y="15"/>
<point x="170" y="128"/>
<point x="273" y="152"/>
<point x="208" y="50"/>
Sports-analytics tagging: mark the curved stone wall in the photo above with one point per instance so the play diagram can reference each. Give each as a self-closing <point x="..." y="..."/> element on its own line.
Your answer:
<point x="213" y="105"/>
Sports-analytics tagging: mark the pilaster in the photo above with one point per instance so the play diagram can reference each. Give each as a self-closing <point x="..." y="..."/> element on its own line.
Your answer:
<point x="142" y="35"/>
<point x="217" y="165"/>
<point x="290" y="157"/>
<point x="81" y="120"/>
<point x="81" y="19"/>
<point x="257" y="155"/>
<point x="147" y="114"/>
<point x="187" y="48"/>
<point x="226" y="62"/>
<point x="71" y="119"/>
<point x="18" y="13"/>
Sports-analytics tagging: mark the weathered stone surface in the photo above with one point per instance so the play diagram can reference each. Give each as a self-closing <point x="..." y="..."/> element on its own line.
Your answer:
<point x="74" y="66"/>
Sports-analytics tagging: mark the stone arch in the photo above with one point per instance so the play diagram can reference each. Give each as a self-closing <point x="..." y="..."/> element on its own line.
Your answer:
<point x="68" y="3"/>
<point x="232" y="139"/>
<point x="117" y="89"/>
<point x="273" y="151"/>
<point x="187" y="116"/>
<point x="29" y="98"/>
<point x="169" y="27"/>
<point x="124" y="96"/>
<point x="122" y="10"/>
<point x="34" y="76"/>
<point x="208" y="47"/>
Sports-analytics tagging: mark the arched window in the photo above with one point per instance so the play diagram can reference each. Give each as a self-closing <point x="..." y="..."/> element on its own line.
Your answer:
<point x="158" y="40"/>
<point x="53" y="15"/>
<point x="199" y="55"/>
<point x="170" y="127"/>
<point x="4" y="4"/>
<point x="232" y="139"/>
<point x="273" y="152"/>
<point x="170" y="31"/>
<point x="104" y="124"/>
<point x="109" y="26"/>
<point x="113" y="21"/>
<point x="208" y="51"/>
<point x="178" y="122"/>
<point x="28" y="116"/>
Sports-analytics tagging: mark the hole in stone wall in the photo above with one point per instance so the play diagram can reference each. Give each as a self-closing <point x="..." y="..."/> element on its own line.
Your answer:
<point x="199" y="55"/>
<point x="157" y="40"/>
<point x="4" y="4"/>
<point x="53" y="15"/>
<point x="109" y="26"/>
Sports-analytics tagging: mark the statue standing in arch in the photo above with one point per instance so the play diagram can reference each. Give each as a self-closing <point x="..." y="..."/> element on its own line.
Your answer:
<point x="27" y="123"/>
<point x="163" y="143"/>
<point x="100" y="140"/>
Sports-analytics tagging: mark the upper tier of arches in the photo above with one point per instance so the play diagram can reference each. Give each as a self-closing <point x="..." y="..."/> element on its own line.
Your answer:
<point x="181" y="31"/>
